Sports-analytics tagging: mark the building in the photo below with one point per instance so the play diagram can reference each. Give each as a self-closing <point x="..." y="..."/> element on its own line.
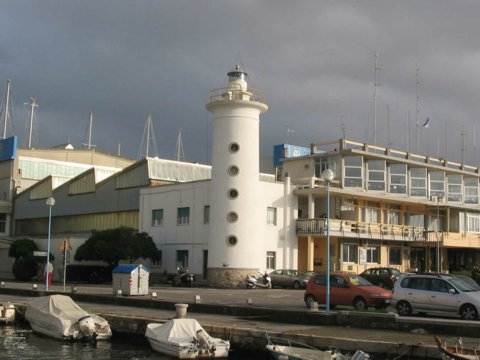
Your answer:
<point x="387" y="207"/>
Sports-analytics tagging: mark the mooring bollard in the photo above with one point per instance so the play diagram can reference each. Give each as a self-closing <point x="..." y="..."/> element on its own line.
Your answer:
<point x="2" y="284"/>
<point x="181" y="310"/>
<point x="249" y="301"/>
<point x="34" y="286"/>
<point x="154" y="295"/>
<point x="197" y="299"/>
<point x="119" y="292"/>
<point x="314" y="306"/>
<point x="74" y="290"/>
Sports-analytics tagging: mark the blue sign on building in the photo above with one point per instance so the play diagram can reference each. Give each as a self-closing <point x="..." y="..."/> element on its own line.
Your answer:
<point x="8" y="148"/>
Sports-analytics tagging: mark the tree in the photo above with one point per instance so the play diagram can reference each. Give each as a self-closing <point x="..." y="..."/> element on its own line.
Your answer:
<point x="114" y="245"/>
<point x="22" y="248"/>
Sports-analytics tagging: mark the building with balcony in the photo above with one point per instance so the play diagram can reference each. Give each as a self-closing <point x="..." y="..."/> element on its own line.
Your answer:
<point x="387" y="207"/>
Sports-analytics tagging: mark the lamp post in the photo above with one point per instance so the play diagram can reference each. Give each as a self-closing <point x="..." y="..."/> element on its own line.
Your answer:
<point x="327" y="177"/>
<point x="438" y="234"/>
<point x="50" y="202"/>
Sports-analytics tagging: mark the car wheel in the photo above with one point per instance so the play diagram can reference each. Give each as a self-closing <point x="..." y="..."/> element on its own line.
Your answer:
<point x="309" y="300"/>
<point x="296" y="285"/>
<point x="468" y="312"/>
<point x="404" y="308"/>
<point x="359" y="303"/>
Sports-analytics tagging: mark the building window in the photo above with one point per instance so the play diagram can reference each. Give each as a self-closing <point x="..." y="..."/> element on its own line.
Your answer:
<point x="473" y="222"/>
<point x="183" y="216"/>
<point x="158" y="263"/>
<point x="371" y="213"/>
<point x="376" y="175"/>
<point x="455" y="190"/>
<point x="271" y="260"/>
<point x="206" y="214"/>
<point x="232" y="240"/>
<point x="3" y="223"/>
<point x="157" y="217"/>
<point x="271" y="216"/>
<point x="233" y="147"/>
<point x="350" y="253"/>
<point x="395" y="256"/>
<point x="182" y="259"/>
<point x="471" y="190"/>
<point x="398" y="179"/>
<point x="437" y="183"/>
<point x="233" y="170"/>
<point x="233" y="193"/>
<point x="373" y="254"/>
<point x="418" y="182"/>
<point x="353" y="170"/>
<point x="392" y="215"/>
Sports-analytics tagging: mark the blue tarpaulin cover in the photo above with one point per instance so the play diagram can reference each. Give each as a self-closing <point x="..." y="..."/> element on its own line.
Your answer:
<point x="128" y="268"/>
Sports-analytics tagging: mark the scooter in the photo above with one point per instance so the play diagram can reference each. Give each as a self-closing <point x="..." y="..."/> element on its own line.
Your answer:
<point x="183" y="278"/>
<point x="252" y="282"/>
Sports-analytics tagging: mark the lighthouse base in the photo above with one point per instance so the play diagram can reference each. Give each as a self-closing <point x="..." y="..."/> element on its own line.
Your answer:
<point x="229" y="277"/>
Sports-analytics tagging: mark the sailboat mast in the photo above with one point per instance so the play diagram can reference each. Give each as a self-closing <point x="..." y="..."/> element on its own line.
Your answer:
<point x="32" y="105"/>
<point x="90" y="125"/>
<point x="7" y="110"/>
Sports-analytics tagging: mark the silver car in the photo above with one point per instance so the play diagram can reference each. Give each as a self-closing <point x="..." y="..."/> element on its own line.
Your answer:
<point x="289" y="278"/>
<point x="426" y="293"/>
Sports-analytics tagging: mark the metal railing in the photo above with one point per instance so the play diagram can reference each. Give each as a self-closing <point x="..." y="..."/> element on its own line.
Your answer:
<point x="349" y="228"/>
<point x="229" y="94"/>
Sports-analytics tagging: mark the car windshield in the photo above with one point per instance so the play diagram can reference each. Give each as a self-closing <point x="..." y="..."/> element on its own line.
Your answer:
<point x="462" y="285"/>
<point x="396" y="272"/>
<point x="359" y="281"/>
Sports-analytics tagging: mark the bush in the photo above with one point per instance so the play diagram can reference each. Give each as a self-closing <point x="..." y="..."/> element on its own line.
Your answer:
<point x="476" y="274"/>
<point x="25" y="268"/>
<point x="89" y="273"/>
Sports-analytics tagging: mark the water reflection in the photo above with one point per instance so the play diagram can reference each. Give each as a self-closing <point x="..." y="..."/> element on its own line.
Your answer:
<point x="20" y="342"/>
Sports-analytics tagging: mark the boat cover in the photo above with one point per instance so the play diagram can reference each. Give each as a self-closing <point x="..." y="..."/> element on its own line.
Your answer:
<point x="174" y="331"/>
<point x="58" y="316"/>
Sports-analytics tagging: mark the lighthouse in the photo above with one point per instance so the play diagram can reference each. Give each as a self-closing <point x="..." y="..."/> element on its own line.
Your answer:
<point x="234" y="216"/>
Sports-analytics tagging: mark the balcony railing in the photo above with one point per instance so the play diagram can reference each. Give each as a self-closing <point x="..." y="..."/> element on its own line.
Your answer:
<point x="358" y="229"/>
<point x="226" y="94"/>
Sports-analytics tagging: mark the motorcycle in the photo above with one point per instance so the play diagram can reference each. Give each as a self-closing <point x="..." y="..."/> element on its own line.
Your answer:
<point x="252" y="282"/>
<point x="183" y="278"/>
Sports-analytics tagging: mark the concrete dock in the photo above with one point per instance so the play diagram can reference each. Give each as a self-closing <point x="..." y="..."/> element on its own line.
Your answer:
<point x="246" y="316"/>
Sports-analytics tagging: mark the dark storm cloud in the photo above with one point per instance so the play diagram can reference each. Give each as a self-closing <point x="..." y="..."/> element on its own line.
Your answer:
<point x="314" y="59"/>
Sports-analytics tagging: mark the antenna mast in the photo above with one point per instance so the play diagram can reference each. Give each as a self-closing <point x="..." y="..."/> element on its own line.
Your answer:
<point x="375" y="101"/>
<point x="32" y="105"/>
<point x="462" y="137"/>
<point x="179" y="154"/>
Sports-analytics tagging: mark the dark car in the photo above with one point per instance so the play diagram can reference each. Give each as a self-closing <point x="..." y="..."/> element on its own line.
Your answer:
<point x="382" y="276"/>
<point x="289" y="278"/>
<point x="346" y="290"/>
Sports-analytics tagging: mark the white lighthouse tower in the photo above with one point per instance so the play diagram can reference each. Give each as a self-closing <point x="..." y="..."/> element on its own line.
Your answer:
<point x="234" y="217"/>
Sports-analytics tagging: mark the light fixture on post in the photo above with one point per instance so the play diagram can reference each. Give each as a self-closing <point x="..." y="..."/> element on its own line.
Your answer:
<point x="327" y="177"/>
<point x="438" y="200"/>
<point x="50" y="202"/>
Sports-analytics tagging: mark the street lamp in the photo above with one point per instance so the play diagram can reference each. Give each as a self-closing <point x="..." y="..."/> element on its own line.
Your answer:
<point x="50" y="202"/>
<point x="438" y="233"/>
<point x="327" y="177"/>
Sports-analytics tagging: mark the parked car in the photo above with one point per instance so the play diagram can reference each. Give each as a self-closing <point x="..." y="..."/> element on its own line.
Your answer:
<point x="426" y="293"/>
<point x="289" y="278"/>
<point x="382" y="276"/>
<point x="347" y="290"/>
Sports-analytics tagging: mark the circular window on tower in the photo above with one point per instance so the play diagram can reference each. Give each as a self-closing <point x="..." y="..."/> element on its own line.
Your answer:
<point x="233" y="170"/>
<point x="232" y="217"/>
<point x="233" y="193"/>
<point x="232" y="240"/>
<point x="234" y="147"/>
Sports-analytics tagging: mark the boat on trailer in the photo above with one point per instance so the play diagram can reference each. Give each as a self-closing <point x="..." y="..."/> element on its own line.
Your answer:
<point x="458" y="351"/>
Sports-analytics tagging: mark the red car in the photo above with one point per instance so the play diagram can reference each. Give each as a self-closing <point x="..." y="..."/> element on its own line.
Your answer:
<point x="347" y="290"/>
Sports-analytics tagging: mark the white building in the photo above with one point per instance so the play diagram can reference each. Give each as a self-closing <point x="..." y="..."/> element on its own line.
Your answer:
<point x="239" y="222"/>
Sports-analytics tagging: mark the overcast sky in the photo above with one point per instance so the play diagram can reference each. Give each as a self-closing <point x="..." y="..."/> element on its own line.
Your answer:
<point x="315" y="61"/>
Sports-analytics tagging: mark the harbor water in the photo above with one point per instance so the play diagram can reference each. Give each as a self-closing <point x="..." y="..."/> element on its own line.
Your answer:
<point x="20" y="342"/>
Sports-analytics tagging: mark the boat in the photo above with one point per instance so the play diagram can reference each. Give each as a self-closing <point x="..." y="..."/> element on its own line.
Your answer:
<point x="300" y="351"/>
<point x="58" y="316"/>
<point x="7" y="313"/>
<point x="458" y="351"/>
<point x="185" y="338"/>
